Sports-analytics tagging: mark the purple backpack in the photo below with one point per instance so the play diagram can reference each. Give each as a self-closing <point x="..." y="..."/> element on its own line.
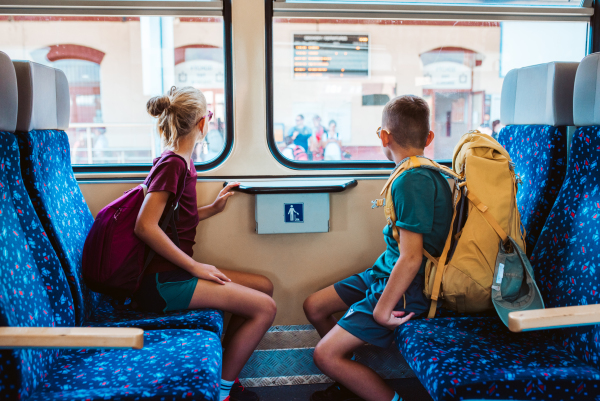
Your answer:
<point x="114" y="258"/>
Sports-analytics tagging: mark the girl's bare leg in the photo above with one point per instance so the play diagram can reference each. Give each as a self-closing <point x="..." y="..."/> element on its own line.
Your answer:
<point x="254" y="281"/>
<point x="257" y="308"/>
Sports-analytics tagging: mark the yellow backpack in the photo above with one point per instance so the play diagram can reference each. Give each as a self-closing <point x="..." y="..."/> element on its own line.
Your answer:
<point x="485" y="211"/>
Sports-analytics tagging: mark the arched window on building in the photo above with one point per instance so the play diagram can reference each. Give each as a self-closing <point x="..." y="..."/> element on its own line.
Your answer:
<point x="81" y="65"/>
<point x="202" y="67"/>
<point x="448" y="85"/>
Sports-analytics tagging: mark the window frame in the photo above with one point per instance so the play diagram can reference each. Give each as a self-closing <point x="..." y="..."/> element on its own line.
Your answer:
<point x="279" y="8"/>
<point x="144" y="8"/>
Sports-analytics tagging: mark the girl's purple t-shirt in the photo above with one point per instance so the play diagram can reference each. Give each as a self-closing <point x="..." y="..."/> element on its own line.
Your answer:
<point x="166" y="177"/>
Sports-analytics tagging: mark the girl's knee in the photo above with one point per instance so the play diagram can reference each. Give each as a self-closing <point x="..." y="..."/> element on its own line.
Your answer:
<point x="268" y="309"/>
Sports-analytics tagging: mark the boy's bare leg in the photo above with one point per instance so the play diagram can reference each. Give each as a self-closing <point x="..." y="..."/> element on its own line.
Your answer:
<point x="331" y="356"/>
<point x="319" y="308"/>
<point x="250" y="280"/>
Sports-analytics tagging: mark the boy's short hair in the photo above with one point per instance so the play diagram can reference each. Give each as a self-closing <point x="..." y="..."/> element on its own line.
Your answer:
<point x="407" y="119"/>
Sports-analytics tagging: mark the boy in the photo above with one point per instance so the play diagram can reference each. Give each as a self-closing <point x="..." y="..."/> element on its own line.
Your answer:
<point x="391" y="292"/>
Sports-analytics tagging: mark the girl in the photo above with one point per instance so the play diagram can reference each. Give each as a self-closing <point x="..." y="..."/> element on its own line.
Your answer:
<point x="174" y="280"/>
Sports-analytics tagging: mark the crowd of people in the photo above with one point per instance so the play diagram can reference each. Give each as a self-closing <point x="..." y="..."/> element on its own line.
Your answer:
<point x="320" y="143"/>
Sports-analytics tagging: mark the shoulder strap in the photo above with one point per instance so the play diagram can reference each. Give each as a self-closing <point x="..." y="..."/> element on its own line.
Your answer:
<point x="168" y="218"/>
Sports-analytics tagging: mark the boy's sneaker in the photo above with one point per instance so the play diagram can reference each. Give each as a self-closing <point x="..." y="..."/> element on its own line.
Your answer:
<point x="239" y="393"/>
<point x="335" y="392"/>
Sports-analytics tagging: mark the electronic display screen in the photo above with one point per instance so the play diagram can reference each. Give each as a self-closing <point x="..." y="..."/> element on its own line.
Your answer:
<point x="331" y="55"/>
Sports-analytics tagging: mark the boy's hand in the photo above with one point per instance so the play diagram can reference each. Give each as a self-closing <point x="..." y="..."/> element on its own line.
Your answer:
<point x="219" y="203"/>
<point x="394" y="320"/>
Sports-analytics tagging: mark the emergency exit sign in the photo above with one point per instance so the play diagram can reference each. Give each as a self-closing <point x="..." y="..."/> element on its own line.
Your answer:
<point x="331" y="55"/>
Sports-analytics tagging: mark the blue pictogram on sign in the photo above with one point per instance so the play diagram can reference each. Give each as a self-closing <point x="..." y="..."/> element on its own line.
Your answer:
<point x="294" y="212"/>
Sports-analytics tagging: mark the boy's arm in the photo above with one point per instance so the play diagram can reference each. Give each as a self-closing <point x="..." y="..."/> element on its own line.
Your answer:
<point x="405" y="270"/>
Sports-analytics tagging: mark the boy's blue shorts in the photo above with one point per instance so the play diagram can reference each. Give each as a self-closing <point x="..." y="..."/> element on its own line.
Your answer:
<point x="361" y="292"/>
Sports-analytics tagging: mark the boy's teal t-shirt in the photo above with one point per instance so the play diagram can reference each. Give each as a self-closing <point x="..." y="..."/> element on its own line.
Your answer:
<point x="423" y="203"/>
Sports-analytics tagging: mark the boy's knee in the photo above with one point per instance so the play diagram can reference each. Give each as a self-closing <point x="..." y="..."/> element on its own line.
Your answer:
<point x="323" y="356"/>
<point x="310" y="307"/>
<point x="266" y="285"/>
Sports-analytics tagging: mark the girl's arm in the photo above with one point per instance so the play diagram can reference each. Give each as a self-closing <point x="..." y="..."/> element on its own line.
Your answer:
<point x="148" y="230"/>
<point x="204" y="212"/>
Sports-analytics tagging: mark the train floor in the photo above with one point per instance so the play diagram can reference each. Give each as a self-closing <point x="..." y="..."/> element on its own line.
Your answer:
<point x="410" y="389"/>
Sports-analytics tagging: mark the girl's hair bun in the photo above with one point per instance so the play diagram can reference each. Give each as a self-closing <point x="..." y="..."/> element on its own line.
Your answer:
<point x="157" y="105"/>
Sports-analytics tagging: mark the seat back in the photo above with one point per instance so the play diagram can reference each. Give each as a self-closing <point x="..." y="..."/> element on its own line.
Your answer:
<point x="46" y="165"/>
<point x="566" y="256"/>
<point x="537" y="106"/>
<point x="28" y="295"/>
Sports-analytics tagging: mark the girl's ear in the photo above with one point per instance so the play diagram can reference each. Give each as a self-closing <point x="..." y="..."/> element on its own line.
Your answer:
<point x="201" y="124"/>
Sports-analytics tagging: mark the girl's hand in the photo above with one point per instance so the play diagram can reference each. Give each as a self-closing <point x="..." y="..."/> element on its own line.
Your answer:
<point x="394" y="320"/>
<point x="210" y="273"/>
<point x="219" y="203"/>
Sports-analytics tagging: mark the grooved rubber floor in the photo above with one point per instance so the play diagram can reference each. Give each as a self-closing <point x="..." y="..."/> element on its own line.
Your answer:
<point x="285" y="358"/>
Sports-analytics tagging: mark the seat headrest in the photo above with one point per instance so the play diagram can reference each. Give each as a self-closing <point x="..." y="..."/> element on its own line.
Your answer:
<point x="541" y="94"/>
<point x="586" y="97"/>
<point x="8" y="94"/>
<point x="43" y="97"/>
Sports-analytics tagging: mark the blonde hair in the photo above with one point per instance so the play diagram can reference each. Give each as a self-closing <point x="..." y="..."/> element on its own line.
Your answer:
<point x="178" y="112"/>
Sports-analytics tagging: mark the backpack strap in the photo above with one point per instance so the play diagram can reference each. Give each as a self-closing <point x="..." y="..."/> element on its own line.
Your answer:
<point x="441" y="265"/>
<point x="168" y="218"/>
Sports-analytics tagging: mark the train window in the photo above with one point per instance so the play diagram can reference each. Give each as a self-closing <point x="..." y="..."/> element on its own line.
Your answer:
<point x="114" y="65"/>
<point x="331" y="78"/>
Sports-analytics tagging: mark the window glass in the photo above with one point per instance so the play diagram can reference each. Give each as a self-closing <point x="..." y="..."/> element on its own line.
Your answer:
<point x="332" y="77"/>
<point x="535" y="3"/>
<point x="114" y="65"/>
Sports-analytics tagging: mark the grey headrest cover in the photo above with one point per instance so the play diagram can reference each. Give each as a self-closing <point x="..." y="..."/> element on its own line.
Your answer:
<point x="586" y="98"/>
<point x="8" y="94"/>
<point x="540" y="94"/>
<point x="43" y="97"/>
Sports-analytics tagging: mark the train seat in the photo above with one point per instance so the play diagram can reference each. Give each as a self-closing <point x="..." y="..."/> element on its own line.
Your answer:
<point x="34" y="292"/>
<point x="478" y="357"/>
<point x="537" y="107"/>
<point x="566" y="256"/>
<point x="48" y="177"/>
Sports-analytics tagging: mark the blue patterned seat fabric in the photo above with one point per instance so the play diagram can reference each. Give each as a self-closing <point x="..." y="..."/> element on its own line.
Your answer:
<point x="566" y="257"/>
<point x="24" y="294"/>
<point x="478" y="358"/>
<point x="206" y="319"/>
<point x="173" y="365"/>
<point x="38" y="243"/>
<point x="46" y="166"/>
<point x="45" y="156"/>
<point x="540" y="156"/>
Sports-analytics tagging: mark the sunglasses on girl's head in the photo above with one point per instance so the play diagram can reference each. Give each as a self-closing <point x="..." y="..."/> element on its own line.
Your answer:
<point x="209" y="116"/>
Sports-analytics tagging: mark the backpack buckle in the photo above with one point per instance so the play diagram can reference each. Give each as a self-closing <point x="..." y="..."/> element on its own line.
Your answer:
<point x="377" y="203"/>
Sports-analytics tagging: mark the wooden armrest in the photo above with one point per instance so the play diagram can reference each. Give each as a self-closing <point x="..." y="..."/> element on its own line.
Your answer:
<point x="553" y="318"/>
<point x="71" y="337"/>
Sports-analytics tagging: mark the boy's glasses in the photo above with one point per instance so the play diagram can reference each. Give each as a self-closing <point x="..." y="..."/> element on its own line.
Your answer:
<point x="379" y="131"/>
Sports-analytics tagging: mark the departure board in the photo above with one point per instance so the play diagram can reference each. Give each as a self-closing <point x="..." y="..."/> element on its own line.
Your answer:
<point x="331" y="55"/>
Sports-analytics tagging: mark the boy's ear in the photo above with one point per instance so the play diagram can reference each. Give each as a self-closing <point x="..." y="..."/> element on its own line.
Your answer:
<point x="385" y="138"/>
<point x="430" y="137"/>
